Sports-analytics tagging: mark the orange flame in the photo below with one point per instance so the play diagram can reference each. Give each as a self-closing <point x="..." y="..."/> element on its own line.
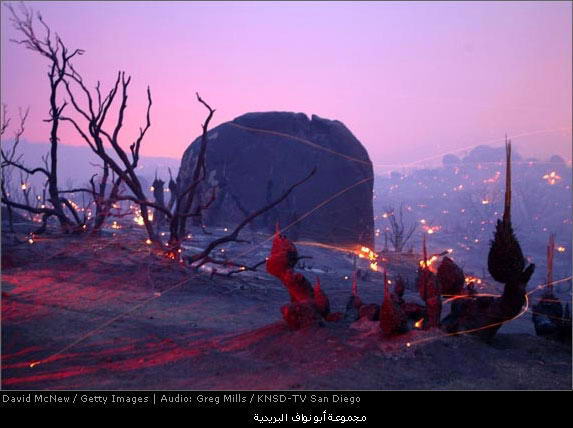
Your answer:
<point x="366" y="252"/>
<point x="429" y="262"/>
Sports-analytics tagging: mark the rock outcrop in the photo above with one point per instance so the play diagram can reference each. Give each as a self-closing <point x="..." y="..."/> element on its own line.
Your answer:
<point x="252" y="160"/>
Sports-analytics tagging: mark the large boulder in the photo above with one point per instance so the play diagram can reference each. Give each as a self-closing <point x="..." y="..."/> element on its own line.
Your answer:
<point x="253" y="159"/>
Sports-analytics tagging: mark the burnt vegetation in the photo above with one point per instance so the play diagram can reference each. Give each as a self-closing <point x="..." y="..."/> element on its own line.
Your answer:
<point x="98" y="116"/>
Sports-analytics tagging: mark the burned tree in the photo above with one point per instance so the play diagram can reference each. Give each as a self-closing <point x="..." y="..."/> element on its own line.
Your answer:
<point x="159" y="197"/>
<point x="549" y="317"/>
<point x="97" y="135"/>
<point x="393" y="319"/>
<point x="308" y="305"/>
<point x="183" y="206"/>
<point x="429" y="290"/>
<point x="59" y="57"/>
<point x="399" y="233"/>
<point x="12" y="161"/>
<point x="484" y="315"/>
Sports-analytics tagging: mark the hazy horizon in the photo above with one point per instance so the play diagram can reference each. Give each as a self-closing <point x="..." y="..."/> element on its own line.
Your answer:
<point x="412" y="81"/>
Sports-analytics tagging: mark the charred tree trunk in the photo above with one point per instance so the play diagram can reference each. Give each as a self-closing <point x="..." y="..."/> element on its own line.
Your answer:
<point x="549" y="318"/>
<point x="158" y="195"/>
<point x="308" y="306"/>
<point x="392" y="317"/>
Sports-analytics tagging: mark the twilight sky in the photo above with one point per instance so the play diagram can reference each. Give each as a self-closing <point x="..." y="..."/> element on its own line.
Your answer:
<point x="412" y="80"/>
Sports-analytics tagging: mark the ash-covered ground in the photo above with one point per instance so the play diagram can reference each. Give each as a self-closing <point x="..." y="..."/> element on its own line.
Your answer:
<point x="106" y="313"/>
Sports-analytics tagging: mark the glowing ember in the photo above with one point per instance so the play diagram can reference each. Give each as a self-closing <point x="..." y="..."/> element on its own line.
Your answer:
<point x="139" y="218"/>
<point x="494" y="178"/>
<point x="148" y="241"/>
<point x="366" y="252"/>
<point x="24" y="186"/>
<point x="31" y="241"/>
<point x="552" y="178"/>
<point x="561" y="249"/>
<point x="470" y="278"/>
<point x="431" y="229"/>
<point x="115" y="225"/>
<point x="418" y="324"/>
<point x="429" y="262"/>
<point x="484" y="202"/>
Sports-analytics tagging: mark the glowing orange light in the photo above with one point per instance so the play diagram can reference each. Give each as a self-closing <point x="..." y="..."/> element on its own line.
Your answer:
<point x="430" y="229"/>
<point x="139" y="218"/>
<point x="552" y="177"/>
<point x="24" y="186"/>
<point x="366" y="252"/>
<point x="470" y="278"/>
<point x="418" y="323"/>
<point x="148" y="241"/>
<point x="484" y="202"/>
<point x="428" y="262"/>
<point x="494" y="178"/>
<point x="561" y="249"/>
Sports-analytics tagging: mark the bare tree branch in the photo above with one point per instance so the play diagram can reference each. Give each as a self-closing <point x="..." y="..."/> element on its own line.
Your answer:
<point x="234" y="235"/>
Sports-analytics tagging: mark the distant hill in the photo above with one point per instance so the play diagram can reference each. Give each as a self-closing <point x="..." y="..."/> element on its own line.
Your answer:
<point x="78" y="163"/>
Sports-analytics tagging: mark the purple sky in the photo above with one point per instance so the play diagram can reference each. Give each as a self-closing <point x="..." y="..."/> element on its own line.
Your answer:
<point x="411" y="80"/>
